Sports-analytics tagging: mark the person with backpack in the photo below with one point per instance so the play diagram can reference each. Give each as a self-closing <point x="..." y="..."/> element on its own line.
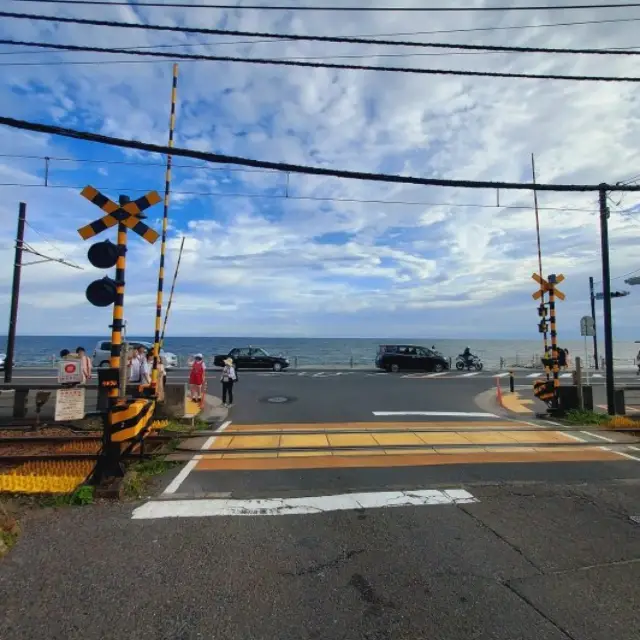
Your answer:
<point x="229" y="376"/>
<point x="196" y="378"/>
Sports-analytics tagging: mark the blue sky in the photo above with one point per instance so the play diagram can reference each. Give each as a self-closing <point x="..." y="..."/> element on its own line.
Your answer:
<point x="276" y="255"/>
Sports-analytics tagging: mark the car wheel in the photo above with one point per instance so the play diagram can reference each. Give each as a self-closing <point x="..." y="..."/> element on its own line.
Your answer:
<point x="104" y="364"/>
<point x="438" y="367"/>
<point x="394" y="368"/>
<point x="277" y="366"/>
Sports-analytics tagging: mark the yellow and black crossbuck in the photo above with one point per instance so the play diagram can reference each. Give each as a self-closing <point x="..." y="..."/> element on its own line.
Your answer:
<point x="128" y="214"/>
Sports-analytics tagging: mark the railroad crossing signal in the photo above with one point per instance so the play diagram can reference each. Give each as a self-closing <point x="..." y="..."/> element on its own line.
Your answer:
<point x="129" y="214"/>
<point x="104" y="255"/>
<point x="545" y="286"/>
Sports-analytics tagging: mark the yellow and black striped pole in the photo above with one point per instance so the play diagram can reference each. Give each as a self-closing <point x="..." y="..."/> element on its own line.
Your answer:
<point x="554" y="338"/>
<point x="163" y="244"/>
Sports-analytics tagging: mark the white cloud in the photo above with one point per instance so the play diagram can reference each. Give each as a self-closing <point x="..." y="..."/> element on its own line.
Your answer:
<point x="317" y="259"/>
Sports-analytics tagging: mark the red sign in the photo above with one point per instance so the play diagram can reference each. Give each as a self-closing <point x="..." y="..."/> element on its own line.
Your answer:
<point x="69" y="368"/>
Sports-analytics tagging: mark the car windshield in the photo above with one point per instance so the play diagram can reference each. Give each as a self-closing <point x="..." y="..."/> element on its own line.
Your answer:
<point x="260" y="352"/>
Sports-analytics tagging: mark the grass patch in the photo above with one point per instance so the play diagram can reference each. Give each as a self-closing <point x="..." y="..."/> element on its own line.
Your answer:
<point x="181" y="427"/>
<point x="9" y="531"/>
<point x="585" y="417"/>
<point x="140" y="475"/>
<point x="82" y="496"/>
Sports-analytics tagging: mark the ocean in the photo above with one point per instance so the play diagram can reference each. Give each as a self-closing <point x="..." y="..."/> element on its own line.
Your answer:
<point x="330" y="352"/>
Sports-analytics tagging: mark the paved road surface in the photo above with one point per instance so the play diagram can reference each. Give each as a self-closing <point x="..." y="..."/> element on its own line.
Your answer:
<point x="528" y="544"/>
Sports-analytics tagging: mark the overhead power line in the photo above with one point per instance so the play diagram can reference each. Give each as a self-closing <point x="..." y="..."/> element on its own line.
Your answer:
<point x="376" y="35"/>
<point x="218" y="158"/>
<point x="369" y="9"/>
<point x="321" y="65"/>
<point x="311" y="38"/>
<point x="286" y="196"/>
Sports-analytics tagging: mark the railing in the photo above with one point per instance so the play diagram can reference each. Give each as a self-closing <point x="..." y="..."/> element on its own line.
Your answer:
<point x="519" y="360"/>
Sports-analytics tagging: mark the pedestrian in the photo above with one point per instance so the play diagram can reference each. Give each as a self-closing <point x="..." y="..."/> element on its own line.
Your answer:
<point x="64" y="354"/>
<point x="196" y="378"/>
<point x="567" y="362"/>
<point x="161" y="377"/>
<point x="85" y="364"/>
<point x="638" y="362"/>
<point x="138" y="364"/>
<point x="229" y="376"/>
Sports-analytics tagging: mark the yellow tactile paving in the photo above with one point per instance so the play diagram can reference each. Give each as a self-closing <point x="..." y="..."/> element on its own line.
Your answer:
<point x="436" y="446"/>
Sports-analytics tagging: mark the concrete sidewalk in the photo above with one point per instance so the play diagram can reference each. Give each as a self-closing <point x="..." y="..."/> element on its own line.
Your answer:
<point x="533" y="561"/>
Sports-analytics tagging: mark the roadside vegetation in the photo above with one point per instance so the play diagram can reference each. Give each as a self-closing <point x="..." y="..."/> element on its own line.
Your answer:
<point x="584" y="417"/>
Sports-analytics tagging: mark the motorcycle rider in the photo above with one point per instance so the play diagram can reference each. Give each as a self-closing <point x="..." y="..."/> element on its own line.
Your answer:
<point x="467" y="356"/>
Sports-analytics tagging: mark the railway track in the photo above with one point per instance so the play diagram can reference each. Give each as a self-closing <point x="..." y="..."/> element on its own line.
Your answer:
<point x="55" y="462"/>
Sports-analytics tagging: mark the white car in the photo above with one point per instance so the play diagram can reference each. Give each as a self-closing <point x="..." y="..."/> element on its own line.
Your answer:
<point x="102" y="353"/>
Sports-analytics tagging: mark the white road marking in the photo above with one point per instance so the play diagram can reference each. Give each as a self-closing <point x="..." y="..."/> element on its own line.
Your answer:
<point x="468" y="375"/>
<point x="619" y="453"/>
<point x="174" y="485"/>
<point x="501" y="375"/>
<point x="596" y="375"/>
<point x="435" y="413"/>
<point x="535" y="375"/>
<point x="435" y="375"/>
<point x="565" y="375"/>
<point x="299" y="506"/>
<point x="318" y="375"/>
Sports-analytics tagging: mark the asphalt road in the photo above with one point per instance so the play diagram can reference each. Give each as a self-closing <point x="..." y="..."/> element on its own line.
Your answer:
<point x="538" y="550"/>
<point x="532" y="561"/>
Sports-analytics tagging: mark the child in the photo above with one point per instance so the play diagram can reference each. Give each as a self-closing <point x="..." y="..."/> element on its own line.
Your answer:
<point x="196" y="378"/>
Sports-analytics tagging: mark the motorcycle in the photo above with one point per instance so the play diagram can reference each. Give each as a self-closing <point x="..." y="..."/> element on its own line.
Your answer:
<point x="472" y="363"/>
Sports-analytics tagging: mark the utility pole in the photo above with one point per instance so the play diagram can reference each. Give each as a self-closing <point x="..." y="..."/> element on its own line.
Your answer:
<point x="606" y="291"/>
<point x="21" y="248"/>
<point x="15" y="294"/>
<point x="593" y="317"/>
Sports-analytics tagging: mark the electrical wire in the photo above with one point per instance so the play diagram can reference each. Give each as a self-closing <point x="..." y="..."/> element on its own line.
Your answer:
<point x="219" y="158"/>
<point x="17" y="156"/>
<point x="377" y="35"/>
<point x="291" y="37"/>
<point x="281" y="196"/>
<point x="380" y="9"/>
<point x="324" y="65"/>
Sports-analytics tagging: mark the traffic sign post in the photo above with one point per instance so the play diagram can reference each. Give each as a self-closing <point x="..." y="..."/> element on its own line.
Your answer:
<point x="549" y="286"/>
<point x="127" y="215"/>
<point x="587" y="329"/>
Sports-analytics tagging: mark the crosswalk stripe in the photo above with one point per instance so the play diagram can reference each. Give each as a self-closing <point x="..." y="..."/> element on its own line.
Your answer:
<point x="565" y="375"/>
<point x="436" y="375"/>
<point x="534" y="375"/>
<point x="468" y="375"/>
<point x="501" y="375"/>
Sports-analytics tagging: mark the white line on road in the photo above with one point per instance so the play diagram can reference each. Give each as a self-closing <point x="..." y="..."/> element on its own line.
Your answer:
<point x="299" y="506"/>
<point x="435" y="413"/>
<point x="188" y="468"/>
<point x="501" y="375"/>
<point x="619" y="453"/>
<point x="534" y="375"/>
<point x="435" y="375"/>
<point x="468" y="375"/>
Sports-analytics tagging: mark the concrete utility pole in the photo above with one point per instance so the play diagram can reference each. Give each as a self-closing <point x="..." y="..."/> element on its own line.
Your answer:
<point x="21" y="248"/>
<point x="606" y="300"/>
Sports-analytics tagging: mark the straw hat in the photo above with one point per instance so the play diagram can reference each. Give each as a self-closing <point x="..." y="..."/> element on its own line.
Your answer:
<point x="228" y="362"/>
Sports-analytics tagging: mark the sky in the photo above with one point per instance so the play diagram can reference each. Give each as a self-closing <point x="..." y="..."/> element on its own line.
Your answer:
<point x="271" y="254"/>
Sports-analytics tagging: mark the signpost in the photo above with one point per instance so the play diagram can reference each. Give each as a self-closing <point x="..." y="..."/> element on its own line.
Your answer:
<point x="70" y="371"/>
<point x="587" y="329"/>
<point x="70" y="404"/>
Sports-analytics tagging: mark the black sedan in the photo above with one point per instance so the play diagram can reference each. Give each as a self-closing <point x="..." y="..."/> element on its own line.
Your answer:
<point x="252" y="358"/>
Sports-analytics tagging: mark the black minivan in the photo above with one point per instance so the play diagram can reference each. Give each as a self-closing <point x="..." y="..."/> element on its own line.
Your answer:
<point x="408" y="357"/>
